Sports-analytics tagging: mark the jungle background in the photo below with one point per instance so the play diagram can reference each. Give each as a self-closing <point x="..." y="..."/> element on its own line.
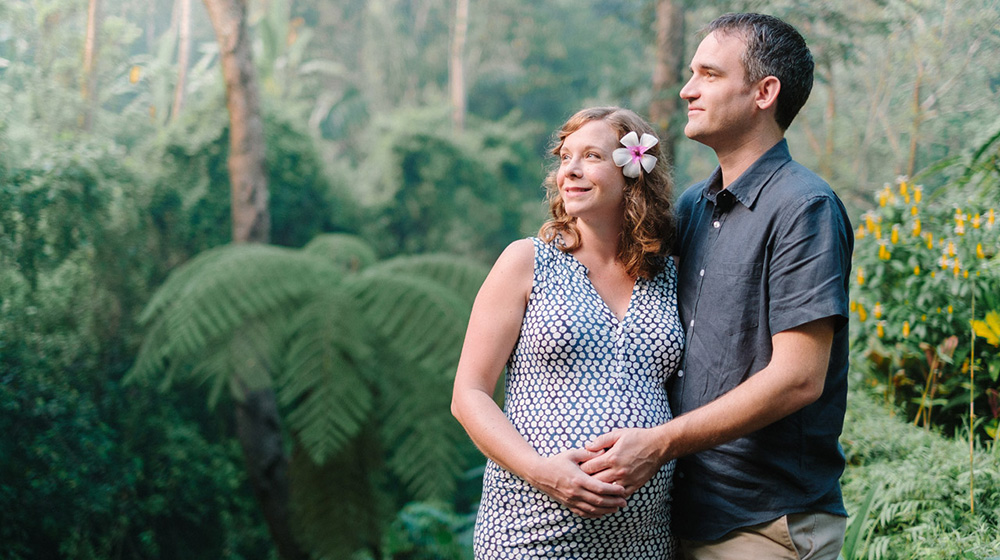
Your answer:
<point x="239" y="241"/>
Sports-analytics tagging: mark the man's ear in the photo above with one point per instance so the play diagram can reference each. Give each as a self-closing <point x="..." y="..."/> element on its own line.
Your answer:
<point x="767" y="92"/>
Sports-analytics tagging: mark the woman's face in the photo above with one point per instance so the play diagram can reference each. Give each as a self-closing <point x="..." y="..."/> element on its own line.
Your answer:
<point x="592" y="187"/>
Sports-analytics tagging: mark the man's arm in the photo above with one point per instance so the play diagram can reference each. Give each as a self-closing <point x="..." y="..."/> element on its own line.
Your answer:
<point x="793" y="378"/>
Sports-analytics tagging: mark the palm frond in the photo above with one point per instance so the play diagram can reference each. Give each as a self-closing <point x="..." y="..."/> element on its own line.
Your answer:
<point x="206" y="300"/>
<point x="460" y="275"/>
<point x="414" y="318"/>
<point x="349" y="252"/>
<point x="324" y="378"/>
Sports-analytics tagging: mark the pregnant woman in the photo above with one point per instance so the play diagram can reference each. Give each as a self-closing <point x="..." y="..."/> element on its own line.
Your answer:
<point x="584" y="317"/>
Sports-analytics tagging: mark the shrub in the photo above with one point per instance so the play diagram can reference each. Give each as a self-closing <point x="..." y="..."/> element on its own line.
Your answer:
<point x="922" y="273"/>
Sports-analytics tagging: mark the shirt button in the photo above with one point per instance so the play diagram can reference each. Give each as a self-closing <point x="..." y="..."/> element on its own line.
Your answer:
<point x="701" y="272"/>
<point x="680" y="373"/>
<point x="691" y="324"/>
<point x="716" y="224"/>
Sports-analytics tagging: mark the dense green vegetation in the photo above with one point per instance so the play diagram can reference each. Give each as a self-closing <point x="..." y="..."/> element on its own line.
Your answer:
<point x="128" y="323"/>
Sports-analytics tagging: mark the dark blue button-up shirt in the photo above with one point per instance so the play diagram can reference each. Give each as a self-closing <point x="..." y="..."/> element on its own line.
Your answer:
<point x="769" y="253"/>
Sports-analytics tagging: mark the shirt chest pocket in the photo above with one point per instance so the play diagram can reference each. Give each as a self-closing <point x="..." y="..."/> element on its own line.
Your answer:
<point x="731" y="297"/>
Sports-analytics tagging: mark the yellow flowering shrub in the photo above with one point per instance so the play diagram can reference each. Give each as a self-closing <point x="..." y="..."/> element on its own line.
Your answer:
<point x="918" y="266"/>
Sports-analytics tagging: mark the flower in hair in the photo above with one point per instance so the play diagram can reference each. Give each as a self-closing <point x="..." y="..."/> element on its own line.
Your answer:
<point x="634" y="154"/>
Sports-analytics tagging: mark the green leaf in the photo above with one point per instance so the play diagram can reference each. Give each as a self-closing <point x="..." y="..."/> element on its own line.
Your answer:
<point x="325" y="381"/>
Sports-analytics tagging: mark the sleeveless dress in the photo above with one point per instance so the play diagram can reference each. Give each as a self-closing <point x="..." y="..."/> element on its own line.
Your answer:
<point x="577" y="372"/>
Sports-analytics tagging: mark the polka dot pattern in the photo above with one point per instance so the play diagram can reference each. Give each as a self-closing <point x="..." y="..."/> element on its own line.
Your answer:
<point x="578" y="372"/>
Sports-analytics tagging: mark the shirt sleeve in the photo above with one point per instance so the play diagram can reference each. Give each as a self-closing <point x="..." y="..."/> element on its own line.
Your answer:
<point x="811" y="265"/>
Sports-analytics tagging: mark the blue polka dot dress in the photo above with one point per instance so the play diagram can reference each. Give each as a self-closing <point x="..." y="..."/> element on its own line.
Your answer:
<point x="577" y="372"/>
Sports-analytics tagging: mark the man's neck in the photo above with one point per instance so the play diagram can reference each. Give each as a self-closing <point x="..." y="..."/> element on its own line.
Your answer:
<point x="736" y="158"/>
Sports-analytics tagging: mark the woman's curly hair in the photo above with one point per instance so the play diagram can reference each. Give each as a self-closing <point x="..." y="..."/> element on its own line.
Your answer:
<point x="648" y="226"/>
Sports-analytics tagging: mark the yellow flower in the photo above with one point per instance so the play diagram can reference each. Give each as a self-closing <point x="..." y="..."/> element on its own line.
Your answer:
<point x="916" y="227"/>
<point x="979" y="251"/>
<point x="951" y="248"/>
<point x="950" y="310"/>
<point x="906" y="329"/>
<point x="860" y="233"/>
<point x="929" y="237"/>
<point x="916" y="270"/>
<point x="869" y="222"/>
<point x="902" y="187"/>
<point x="880" y="329"/>
<point x="134" y="74"/>
<point x="877" y="310"/>
<point x="989" y="328"/>
<point x="965" y="273"/>
<point x="923" y="317"/>
<point x="861" y="276"/>
<point x="945" y="262"/>
<point x="913" y="211"/>
<point x="917" y="191"/>
<point x="894" y="236"/>
<point x="883" y="252"/>
<point x="862" y="314"/>
<point x="989" y="218"/>
<point x="933" y="274"/>
<point x="976" y="221"/>
<point x="959" y="228"/>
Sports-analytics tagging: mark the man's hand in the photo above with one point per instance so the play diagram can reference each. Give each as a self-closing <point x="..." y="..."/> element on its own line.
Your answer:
<point x="631" y="457"/>
<point x="561" y="478"/>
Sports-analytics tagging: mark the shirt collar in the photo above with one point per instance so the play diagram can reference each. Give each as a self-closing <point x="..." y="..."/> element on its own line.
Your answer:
<point x="746" y="188"/>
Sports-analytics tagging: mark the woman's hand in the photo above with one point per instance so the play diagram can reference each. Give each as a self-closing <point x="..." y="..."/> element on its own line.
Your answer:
<point x="561" y="477"/>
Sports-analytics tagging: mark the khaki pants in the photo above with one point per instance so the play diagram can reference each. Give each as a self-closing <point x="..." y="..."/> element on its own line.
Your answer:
<point x="799" y="536"/>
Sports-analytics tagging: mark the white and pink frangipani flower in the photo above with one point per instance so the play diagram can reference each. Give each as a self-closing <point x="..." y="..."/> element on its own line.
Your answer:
<point x="634" y="155"/>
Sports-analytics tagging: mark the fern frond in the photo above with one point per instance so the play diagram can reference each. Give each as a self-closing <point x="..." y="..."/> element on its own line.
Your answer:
<point x="462" y="276"/>
<point x="177" y="282"/>
<point x="206" y="300"/>
<point x="349" y="252"/>
<point x="417" y="421"/>
<point x="340" y="507"/>
<point x="414" y="318"/>
<point x="324" y="378"/>
<point x="426" y="443"/>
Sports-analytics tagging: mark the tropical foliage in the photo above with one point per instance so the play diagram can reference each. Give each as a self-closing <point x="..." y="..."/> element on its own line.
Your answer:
<point x="926" y="289"/>
<point x="908" y="490"/>
<point x="361" y="354"/>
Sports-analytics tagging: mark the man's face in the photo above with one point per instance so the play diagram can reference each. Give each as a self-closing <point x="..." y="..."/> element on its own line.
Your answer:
<point x="720" y="103"/>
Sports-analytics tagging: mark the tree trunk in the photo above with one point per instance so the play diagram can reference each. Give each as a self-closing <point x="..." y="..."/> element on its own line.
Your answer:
<point x="183" y="57"/>
<point x="90" y="48"/>
<point x="258" y="427"/>
<point x="251" y="221"/>
<point x="667" y="74"/>
<point x="457" y="65"/>
<point x="257" y="420"/>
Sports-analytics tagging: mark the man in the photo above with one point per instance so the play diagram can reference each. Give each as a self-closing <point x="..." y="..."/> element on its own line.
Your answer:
<point x="764" y="248"/>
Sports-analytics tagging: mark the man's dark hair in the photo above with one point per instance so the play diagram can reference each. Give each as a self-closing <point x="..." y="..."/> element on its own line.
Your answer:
<point x="773" y="48"/>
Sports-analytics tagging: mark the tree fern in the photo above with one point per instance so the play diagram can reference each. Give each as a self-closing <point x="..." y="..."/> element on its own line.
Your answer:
<point x="325" y="382"/>
<point x="461" y="276"/>
<point x="425" y="445"/>
<point x="348" y="252"/>
<point x="205" y="303"/>
<point x="421" y="321"/>
<point x="361" y="355"/>
<point x="341" y="506"/>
